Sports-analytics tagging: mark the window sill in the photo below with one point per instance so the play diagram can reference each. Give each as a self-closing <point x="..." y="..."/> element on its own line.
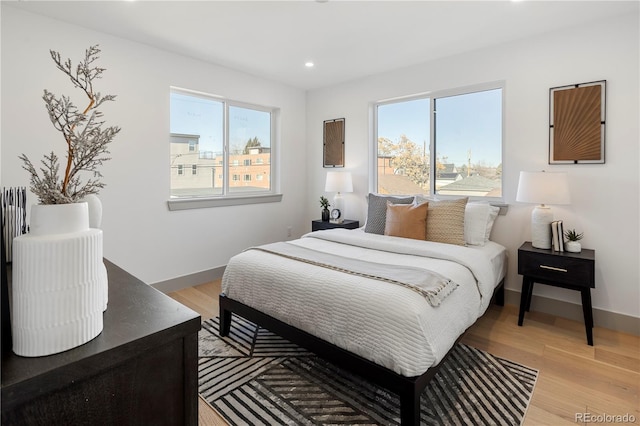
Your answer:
<point x="203" y="203"/>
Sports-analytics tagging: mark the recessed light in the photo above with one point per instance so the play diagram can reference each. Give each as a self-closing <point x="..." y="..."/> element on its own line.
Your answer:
<point x="308" y="64"/>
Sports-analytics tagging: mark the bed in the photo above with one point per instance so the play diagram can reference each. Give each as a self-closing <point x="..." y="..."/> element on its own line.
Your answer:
<point x="328" y="291"/>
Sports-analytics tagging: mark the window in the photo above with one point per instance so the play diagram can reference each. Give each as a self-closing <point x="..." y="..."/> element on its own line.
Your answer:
<point x="449" y="143"/>
<point x="247" y="178"/>
<point x="220" y="139"/>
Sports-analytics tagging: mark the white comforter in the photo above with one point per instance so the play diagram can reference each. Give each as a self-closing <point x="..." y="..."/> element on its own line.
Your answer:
<point x="390" y="325"/>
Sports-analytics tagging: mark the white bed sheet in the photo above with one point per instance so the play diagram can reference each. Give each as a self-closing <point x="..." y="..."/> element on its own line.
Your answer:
<point x="388" y="324"/>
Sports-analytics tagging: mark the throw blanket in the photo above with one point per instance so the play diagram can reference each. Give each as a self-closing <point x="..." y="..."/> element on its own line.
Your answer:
<point x="475" y="262"/>
<point x="431" y="285"/>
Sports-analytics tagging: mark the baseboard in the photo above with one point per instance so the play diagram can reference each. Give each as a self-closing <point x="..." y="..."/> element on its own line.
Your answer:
<point x="573" y="311"/>
<point x="191" y="280"/>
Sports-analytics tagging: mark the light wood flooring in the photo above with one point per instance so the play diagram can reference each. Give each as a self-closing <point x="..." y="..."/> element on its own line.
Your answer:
<point x="574" y="378"/>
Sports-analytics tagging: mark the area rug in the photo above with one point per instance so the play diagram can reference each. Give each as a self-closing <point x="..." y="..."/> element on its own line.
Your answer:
<point x="254" y="377"/>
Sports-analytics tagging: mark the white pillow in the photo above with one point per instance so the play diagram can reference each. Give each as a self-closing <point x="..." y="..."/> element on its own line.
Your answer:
<point x="478" y="221"/>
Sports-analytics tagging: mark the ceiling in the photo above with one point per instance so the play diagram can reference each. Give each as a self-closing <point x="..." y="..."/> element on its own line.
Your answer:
<point x="346" y="40"/>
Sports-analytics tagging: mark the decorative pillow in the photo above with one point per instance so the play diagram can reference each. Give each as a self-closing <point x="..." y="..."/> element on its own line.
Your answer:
<point x="445" y="221"/>
<point x="406" y="220"/>
<point x="478" y="222"/>
<point x="425" y="199"/>
<point x="377" y="211"/>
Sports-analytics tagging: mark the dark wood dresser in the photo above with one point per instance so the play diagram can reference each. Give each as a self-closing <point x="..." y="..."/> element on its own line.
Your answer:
<point x="141" y="370"/>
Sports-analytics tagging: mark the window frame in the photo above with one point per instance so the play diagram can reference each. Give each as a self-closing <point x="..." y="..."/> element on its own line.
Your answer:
<point x="228" y="198"/>
<point x="432" y="96"/>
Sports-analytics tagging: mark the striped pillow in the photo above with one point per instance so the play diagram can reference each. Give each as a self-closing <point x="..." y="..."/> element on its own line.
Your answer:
<point x="377" y="211"/>
<point x="445" y="221"/>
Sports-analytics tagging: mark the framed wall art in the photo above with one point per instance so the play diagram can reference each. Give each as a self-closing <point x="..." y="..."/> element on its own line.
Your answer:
<point x="577" y="123"/>
<point x="333" y="143"/>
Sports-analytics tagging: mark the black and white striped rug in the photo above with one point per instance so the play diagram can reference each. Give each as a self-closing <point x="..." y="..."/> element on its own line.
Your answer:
<point x="254" y="377"/>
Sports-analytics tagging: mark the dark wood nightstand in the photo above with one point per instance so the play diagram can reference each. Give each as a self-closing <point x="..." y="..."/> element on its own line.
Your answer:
<point x="574" y="271"/>
<point x="319" y="225"/>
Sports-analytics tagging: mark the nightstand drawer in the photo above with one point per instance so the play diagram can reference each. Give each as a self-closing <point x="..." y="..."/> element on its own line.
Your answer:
<point x="319" y="225"/>
<point x="556" y="268"/>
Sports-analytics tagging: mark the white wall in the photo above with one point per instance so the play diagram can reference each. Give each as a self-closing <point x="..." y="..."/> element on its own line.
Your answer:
<point x="143" y="237"/>
<point x="140" y="234"/>
<point x="604" y="197"/>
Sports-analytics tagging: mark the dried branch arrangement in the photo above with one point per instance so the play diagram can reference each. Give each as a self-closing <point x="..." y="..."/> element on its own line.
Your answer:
<point x="86" y="140"/>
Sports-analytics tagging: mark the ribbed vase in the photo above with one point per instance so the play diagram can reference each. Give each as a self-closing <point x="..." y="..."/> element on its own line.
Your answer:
<point x="58" y="281"/>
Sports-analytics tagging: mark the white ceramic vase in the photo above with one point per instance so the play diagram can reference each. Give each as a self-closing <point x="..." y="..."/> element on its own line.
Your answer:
<point x="58" y="294"/>
<point x="95" y="221"/>
<point x="573" y="246"/>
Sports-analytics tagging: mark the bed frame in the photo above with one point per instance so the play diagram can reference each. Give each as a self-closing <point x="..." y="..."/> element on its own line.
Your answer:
<point x="408" y="389"/>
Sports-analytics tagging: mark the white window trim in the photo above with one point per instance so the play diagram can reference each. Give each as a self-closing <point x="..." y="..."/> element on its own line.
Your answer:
<point x="272" y="196"/>
<point x="373" y="145"/>
<point x="200" y="203"/>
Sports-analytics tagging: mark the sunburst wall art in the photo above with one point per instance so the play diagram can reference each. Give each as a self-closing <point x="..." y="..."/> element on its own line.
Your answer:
<point x="577" y="123"/>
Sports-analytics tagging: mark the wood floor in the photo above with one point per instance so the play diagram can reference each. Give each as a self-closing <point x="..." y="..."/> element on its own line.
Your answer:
<point x="576" y="382"/>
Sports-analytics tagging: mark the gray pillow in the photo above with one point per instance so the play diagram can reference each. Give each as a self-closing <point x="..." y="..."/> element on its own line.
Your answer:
<point x="377" y="211"/>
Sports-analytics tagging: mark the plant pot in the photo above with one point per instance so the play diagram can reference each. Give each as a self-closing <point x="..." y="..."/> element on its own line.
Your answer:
<point x="58" y="287"/>
<point x="325" y="215"/>
<point x="573" y="246"/>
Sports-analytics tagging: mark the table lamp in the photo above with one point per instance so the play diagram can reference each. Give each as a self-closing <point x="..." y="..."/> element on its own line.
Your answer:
<point x="542" y="188"/>
<point x="338" y="182"/>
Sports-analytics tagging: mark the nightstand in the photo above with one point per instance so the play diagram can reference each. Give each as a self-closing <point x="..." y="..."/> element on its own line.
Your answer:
<point x="319" y="225"/>
<point x="574" y="271"/>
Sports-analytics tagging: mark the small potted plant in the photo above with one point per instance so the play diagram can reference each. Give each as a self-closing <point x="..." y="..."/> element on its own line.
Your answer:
<point x="324" y="203"/>
<point x="573" y="241"/>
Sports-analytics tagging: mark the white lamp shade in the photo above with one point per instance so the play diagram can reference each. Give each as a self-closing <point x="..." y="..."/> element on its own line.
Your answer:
<point x="338" y="182"/>
<point x="543" y="188"/>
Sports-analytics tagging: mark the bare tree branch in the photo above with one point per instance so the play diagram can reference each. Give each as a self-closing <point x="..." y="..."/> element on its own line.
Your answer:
<point x="86" y="141"/>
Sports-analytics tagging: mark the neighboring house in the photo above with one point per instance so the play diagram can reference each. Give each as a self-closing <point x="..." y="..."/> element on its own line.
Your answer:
<point x="391" y="180"/>
<point x="196" y="172"/>
<point x="397" y="184"/>
<point x="472" y="186"/>
<point x="446" y="175"/>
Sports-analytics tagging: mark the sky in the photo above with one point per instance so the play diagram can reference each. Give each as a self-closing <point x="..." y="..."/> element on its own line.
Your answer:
<point x="463" y="122"/>
<point x="468" y="122"/>
<point x="197" y="115"/>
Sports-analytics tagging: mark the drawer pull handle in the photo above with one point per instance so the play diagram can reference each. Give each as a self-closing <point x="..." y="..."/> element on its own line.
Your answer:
<point x="553" y="268"/>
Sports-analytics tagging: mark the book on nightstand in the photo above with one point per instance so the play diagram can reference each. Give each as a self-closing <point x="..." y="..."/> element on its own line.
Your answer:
<point x="557" y="235"/>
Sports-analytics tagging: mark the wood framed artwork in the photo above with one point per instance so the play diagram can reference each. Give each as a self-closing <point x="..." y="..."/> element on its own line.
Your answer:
<point x="333" y="143"/>
<point x="577" y="123"/>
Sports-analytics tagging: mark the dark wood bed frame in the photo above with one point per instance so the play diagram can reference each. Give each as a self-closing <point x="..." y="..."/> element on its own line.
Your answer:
<point x="409" y="389"/>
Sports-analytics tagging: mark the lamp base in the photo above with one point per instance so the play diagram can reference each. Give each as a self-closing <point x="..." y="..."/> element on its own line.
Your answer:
<point x="338" y="203"/>
<point x="541" y="218"/>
